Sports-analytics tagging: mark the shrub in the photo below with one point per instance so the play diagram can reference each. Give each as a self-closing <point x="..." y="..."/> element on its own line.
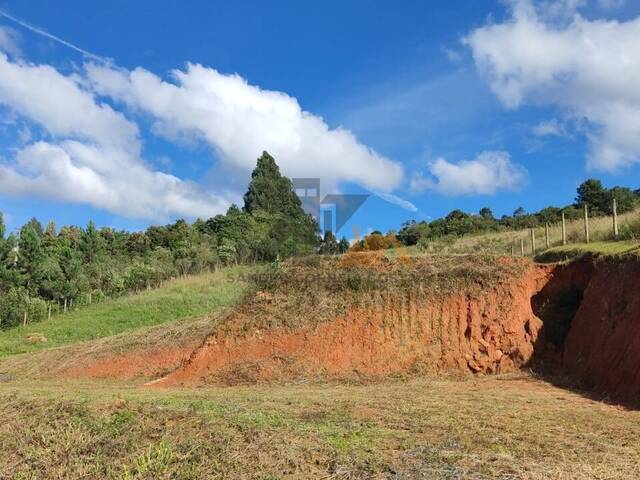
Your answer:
<point x="15" y="303"/>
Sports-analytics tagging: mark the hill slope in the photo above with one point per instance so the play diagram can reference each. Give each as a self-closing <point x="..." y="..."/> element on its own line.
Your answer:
<point x="182" y="298"/>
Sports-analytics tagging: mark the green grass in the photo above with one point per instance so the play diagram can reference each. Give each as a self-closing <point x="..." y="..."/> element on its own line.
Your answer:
<point x="573" y="251"/>
<point x="182" y="298"/>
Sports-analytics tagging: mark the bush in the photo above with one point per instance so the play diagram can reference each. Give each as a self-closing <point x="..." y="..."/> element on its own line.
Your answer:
<point x="15" y="303"/>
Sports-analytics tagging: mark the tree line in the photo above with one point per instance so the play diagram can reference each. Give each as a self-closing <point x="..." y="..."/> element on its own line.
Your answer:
<point x="44" y="267"/>
<point x="458" y="223"/>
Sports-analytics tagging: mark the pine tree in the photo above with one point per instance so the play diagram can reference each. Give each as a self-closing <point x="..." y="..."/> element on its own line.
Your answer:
<point x="271" y="192"/>
<point x="282" y="228"/>
<point x="8" y="273"/>
<point x="31" y="255"/>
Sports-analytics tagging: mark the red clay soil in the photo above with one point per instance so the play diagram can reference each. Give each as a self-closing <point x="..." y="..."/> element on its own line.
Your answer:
<point x="147" y="363"/>
<point x="602" y="349"/>
<point x="491" y="332"/>
<point x="494" y="331"/>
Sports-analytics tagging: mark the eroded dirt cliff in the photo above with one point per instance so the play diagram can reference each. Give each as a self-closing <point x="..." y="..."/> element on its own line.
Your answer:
<point x="480" y="322"/>
<point x="592" y="309"/>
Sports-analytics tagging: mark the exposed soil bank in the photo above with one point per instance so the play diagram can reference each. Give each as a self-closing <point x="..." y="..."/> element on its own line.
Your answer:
<point x="581" y="320"/>
<point x="492" y="330"/>
<point x="601" y="347"/>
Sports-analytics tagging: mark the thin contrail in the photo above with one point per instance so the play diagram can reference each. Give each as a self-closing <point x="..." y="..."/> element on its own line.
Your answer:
<point x="46" y="34"/>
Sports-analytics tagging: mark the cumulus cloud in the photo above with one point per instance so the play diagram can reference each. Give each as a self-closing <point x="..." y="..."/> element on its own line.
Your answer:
<point x="589" y="69"/>
<point x="62" y="106"/>
<point x="90" y="152"/>
<point x="104" y="178"/>
<point x="239" y="120"/>
<point x="488" y="173"/>
<point x="93" y="155"/>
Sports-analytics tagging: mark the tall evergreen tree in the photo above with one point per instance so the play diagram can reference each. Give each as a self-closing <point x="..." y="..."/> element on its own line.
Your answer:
<point x="31" y="255"/>
<point x="283" y="226"/>
<point x="8" y="273"/>
<point x="271" y="192"/>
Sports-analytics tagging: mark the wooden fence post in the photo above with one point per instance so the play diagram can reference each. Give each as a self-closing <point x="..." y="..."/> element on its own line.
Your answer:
<point x="564" y="230"/>
<point x="522" y="247"/>
<point x="546" y="234"/>
<point x="25" y="319"/>
<point x="533" y="241"/>
<point x="586" y="223"/>
<point x="49" y="314"/>
<point x="513" y="250"/>
<point x="615" y="218"/>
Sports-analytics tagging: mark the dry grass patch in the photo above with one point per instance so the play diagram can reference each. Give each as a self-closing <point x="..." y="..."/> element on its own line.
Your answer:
<point x="601" y="230"/>
<point x="506" y="427"/>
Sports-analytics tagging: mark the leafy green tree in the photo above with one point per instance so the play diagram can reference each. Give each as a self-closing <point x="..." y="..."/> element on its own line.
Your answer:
<point x="456" y="214"/>
<point x="519" y="212"/>
<point x="51" y="278"/>
<point x="329" y="245"/>
<point x="549" y="215"/>
<point x="138" y="244"/>
<point x="592" y="193"/>
<point x="625" y="198"/>
<point x="17" y="302"/>
<point x="486" y="213"/>
<point x="343" y="245"/>
<point x="411" y="232"/>
<point x="74" y="280"/>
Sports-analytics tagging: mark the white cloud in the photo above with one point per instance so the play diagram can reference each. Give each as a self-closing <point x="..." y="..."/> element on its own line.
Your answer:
<point x="10" y="41"/>
<point x="589" y="69"/>
<point x="62" y="106"/>
<point x="550" y="128"/>
<point x="93" y="156"/>
<point x="239" y="121"/>
<point x="104" y="178"/>
<point x="91" y="152"/>
<point x="484" y="175"/>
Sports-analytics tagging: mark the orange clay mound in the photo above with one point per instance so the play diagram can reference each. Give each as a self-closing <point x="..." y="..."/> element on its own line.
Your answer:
<point x="483" y="327"/>
<point x="368" y="318"/>
<point x="145" y="363"/>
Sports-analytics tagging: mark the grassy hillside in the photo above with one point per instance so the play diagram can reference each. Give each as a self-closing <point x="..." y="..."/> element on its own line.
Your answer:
<point x="569" y="252"/>
<point x="178" y="299"/>
<point x="501" y="242"/>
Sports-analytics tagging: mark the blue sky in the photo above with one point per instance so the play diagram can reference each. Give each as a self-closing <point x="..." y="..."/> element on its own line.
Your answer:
<point x="432" y="105"/>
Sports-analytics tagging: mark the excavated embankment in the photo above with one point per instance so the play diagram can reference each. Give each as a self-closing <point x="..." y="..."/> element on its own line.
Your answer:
<point x="591" y="312"/>
<point x="464" y="315"/>
<point x="368" y="317"/>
